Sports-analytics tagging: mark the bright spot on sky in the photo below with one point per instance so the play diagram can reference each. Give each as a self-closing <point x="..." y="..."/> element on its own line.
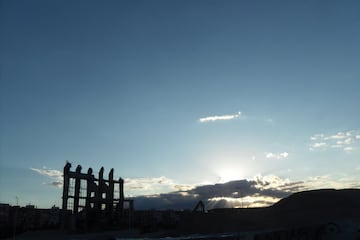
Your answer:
<point x="227" y="174"/>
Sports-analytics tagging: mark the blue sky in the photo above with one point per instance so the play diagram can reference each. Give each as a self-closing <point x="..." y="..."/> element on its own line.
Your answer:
<point x="130" y="85"/>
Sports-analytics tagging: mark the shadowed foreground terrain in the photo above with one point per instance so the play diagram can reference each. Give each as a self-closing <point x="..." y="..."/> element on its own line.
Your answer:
<point x="316" y="214"/>
<point x="299" y="209"/>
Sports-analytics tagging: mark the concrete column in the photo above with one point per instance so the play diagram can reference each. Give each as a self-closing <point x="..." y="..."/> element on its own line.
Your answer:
<point x="110" y="193"/>
<point x="89" y="187"/>
<point x="65" y="193"/>
<point x="77" y="189"/>
<point x="99" y="192"/>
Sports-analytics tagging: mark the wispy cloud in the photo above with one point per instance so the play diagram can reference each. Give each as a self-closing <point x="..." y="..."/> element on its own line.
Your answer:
<point x="133" y="186"/>
<point x="271" y="155"/>
<point x="156" y="185"/>
<point x="339" y="135"/>
<point x="317" y="137"/>
<point x="318" y="145"/>
<point x="146" y="186"/>
<point x="337" y="181"/>
<point x="220" y="117"/>
<point x="55" y="176"/>
<point x="346" y="140"/>
<point x="348" y="149"/>
<point x="269" y="120"/>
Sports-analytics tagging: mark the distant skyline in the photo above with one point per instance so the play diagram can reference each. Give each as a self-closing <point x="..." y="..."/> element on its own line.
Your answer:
<point x="180" y="97"/>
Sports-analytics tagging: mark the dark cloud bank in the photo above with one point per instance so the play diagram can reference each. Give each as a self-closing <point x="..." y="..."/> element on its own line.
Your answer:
<point x="219" y="195"/>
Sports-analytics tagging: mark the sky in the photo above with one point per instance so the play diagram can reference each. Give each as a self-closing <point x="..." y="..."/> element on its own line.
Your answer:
<point x="237" y="103"/>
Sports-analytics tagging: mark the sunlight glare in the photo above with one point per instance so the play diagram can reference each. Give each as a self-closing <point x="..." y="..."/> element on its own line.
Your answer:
<point x="229" y="174"/>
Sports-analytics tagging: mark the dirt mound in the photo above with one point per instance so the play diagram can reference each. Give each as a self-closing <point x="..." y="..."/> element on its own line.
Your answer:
<point x="321" y="199"/>
<point x="318" y="206"/>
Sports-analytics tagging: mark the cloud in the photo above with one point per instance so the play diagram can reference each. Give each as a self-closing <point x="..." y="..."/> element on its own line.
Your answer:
<point x="269" y="120"/>
<point x="146" y="183"/>
<point x="253" y="201"/>
<point x="341" y="140"/>
<point x="336" y="146"/>
<point x="219" y="118"/>
<point x="164" y="193"/>
<point x="48" y="172"/>
<point x="55" y="175"/>
<point x="269" y="155"/>
<point x="276" y="184"/>
<point x="348" y="141"/>
<point x="133" y="186"/>
<point x="183" y="188"/>
<point x="317" y="137"/>
<point x="337" y="181"/>
<point x="276" y="155"/>
<point x="256" y="192"/>
<point x="339" y="135"/>
<point x="319" y="145"/>
<point x="58" y="184"/>
<point x="149" y="186"/>
<point x="348" y="149"/>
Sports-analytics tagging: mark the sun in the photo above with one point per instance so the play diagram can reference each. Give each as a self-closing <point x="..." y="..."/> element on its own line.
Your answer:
<point x="228" y="174"/>
<point x="227" y="164"/>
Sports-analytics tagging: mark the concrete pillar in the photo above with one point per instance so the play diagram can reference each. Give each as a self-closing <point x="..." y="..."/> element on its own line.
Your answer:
<point x="89" y="188"/>
<point x="65" y="194"/>
<point x="99" y="192"/>
<point x="110" y="193"/>
<point x="77" y="189"/>
<point x="121" y="193"/>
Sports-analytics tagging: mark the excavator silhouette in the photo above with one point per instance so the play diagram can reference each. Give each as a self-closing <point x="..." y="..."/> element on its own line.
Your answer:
<point x="200" y="207"/>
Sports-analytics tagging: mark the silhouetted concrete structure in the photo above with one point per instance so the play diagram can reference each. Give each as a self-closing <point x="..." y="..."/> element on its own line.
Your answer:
<point x="91" y="200"/>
